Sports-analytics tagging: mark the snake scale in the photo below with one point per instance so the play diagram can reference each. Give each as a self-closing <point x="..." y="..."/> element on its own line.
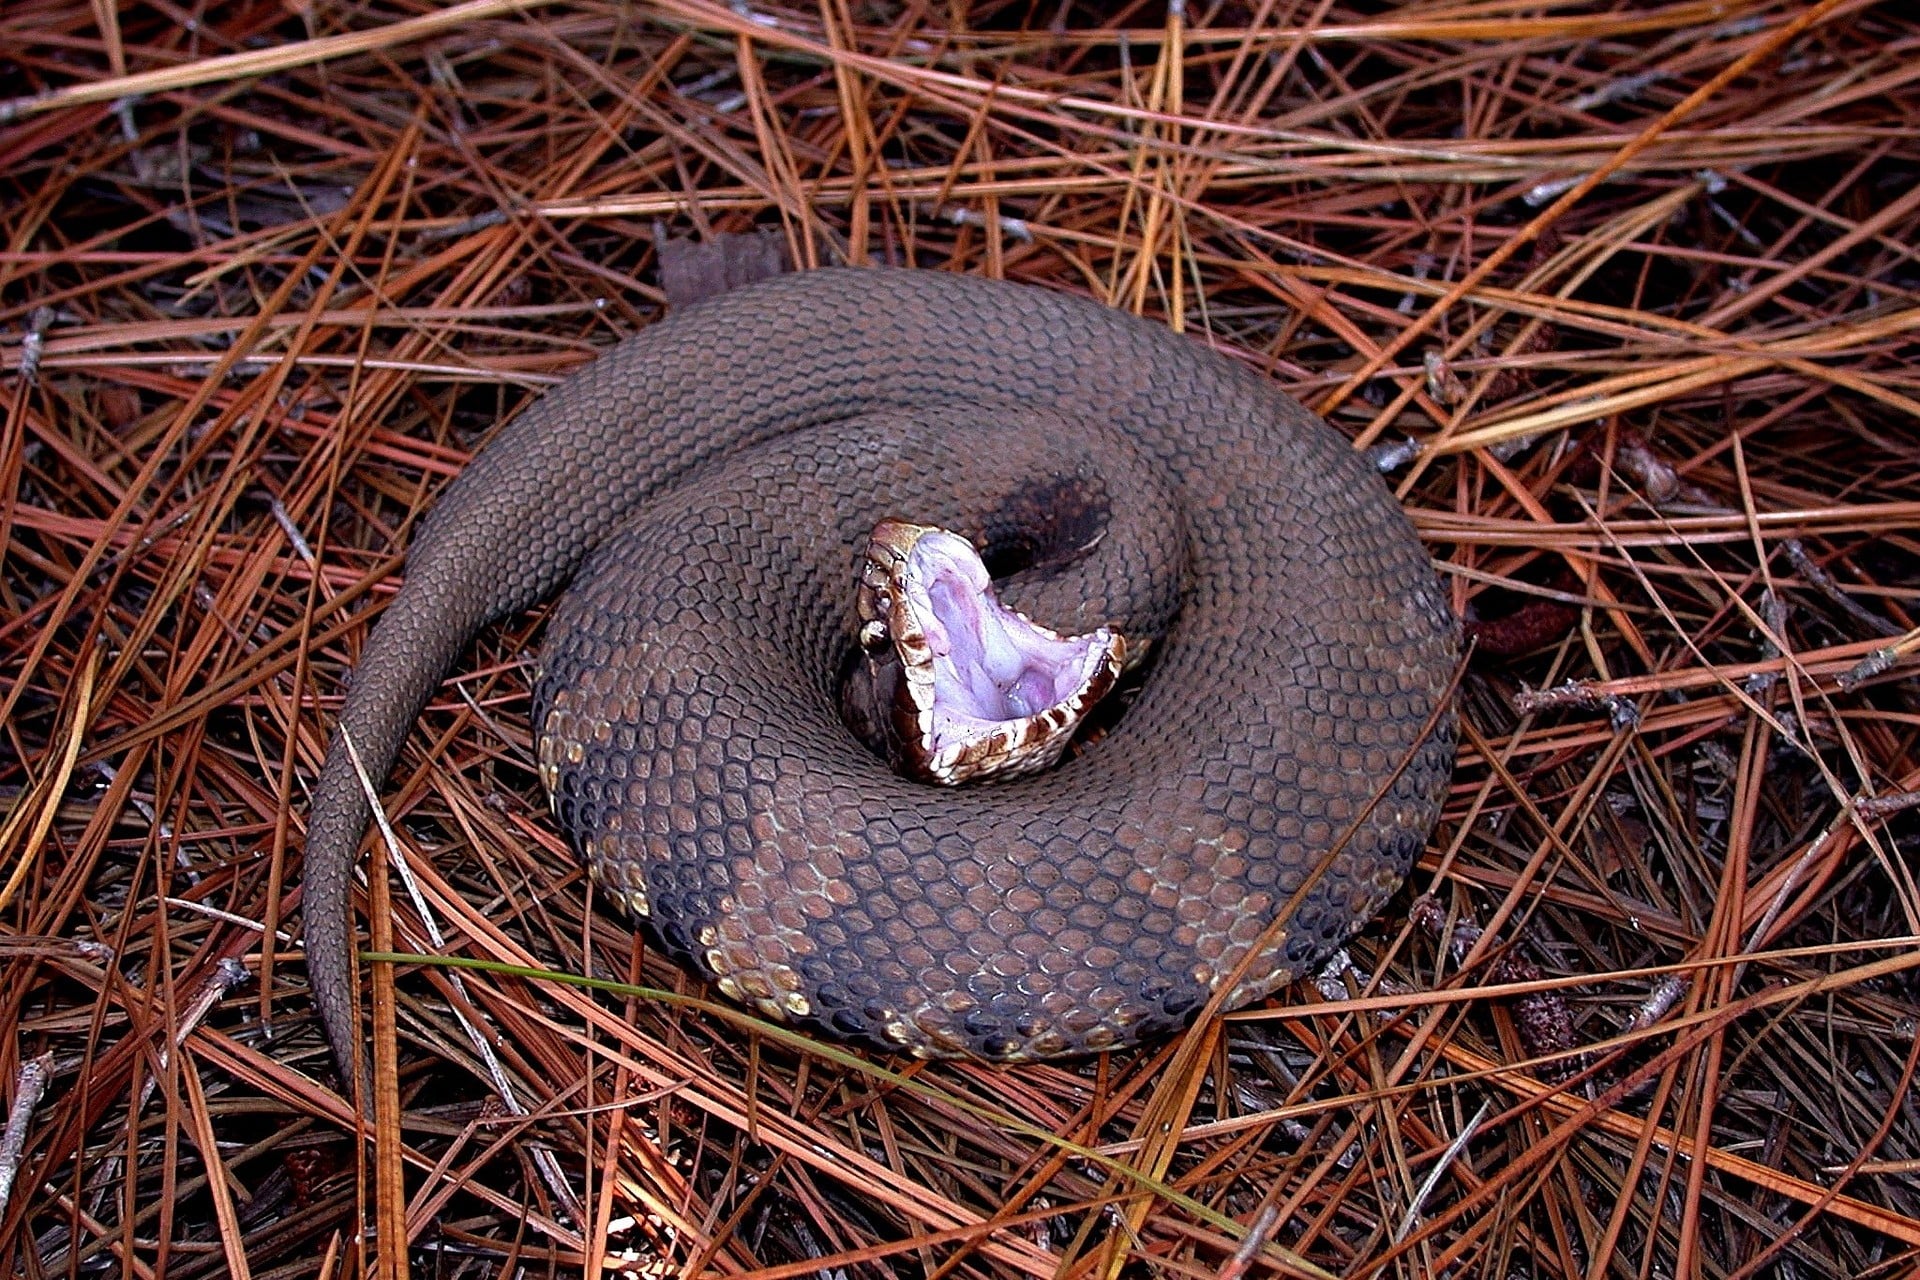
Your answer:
<point x="705" y="486"/>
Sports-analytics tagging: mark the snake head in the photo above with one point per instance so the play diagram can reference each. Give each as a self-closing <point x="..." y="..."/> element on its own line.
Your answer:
<point x="968" y="688"/>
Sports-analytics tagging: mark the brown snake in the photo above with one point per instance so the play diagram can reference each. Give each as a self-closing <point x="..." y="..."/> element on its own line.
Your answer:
<point x="706" y="485"/>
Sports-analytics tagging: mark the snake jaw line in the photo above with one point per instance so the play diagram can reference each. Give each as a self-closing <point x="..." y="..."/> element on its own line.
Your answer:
<point x="976" y="690"/>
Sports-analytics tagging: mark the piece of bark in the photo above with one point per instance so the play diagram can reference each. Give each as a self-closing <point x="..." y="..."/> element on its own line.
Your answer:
<point x="693" y="269"/>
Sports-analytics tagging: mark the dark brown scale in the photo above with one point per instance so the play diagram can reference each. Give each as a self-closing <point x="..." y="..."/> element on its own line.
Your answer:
<point x="686" y="708"/>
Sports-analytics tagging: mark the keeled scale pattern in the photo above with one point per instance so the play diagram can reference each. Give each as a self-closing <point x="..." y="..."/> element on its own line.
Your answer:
<point x="702" y="769"/>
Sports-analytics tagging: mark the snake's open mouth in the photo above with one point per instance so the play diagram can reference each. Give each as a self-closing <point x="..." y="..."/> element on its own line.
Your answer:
<point x="969" y="688"/>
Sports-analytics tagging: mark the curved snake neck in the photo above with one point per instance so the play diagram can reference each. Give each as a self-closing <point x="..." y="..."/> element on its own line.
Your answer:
<point x="709" y="481"/>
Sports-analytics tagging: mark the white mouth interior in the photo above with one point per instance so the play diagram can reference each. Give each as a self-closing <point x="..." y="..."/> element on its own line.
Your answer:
<point x="991" y="666"/>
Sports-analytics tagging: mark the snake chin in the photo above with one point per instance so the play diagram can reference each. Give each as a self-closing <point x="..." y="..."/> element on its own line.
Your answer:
<point x="964" y="688"/>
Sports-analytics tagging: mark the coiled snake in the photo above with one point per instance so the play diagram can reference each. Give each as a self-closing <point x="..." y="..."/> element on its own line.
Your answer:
<point x="708" y="486"/>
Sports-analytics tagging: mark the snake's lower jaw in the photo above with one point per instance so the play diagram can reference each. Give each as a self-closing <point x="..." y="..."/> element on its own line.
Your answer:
<point x="970" y="689"/>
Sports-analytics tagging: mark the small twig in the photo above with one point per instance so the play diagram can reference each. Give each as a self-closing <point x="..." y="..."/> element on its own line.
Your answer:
<point x="1880" y="661"/>
<point x="1259" y="1231"/>
<point x="1427" y="1185"/>
<point x="1886" y="806"/>
<point x="1621" y="713"/>
<point x="231" y="917"/>
<point x="1665" y="994"/>
<point x="296" y="539"/>
<point x="29" y="1083"/>
<point x="1823" y="582"/>
<point x="1773" y="612"/>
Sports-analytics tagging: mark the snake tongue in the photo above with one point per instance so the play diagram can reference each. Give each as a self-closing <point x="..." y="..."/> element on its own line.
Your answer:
<point x="977" y="690"/>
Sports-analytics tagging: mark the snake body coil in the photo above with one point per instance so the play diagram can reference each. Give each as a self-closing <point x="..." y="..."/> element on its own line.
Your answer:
<point x="709" y="482"/>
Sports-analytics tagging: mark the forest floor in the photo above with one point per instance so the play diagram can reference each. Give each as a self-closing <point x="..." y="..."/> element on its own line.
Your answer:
<point x="1623" y="298"/>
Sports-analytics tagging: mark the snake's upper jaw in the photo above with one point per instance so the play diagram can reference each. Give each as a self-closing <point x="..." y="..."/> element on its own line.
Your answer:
<point x="973" y="689"/>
